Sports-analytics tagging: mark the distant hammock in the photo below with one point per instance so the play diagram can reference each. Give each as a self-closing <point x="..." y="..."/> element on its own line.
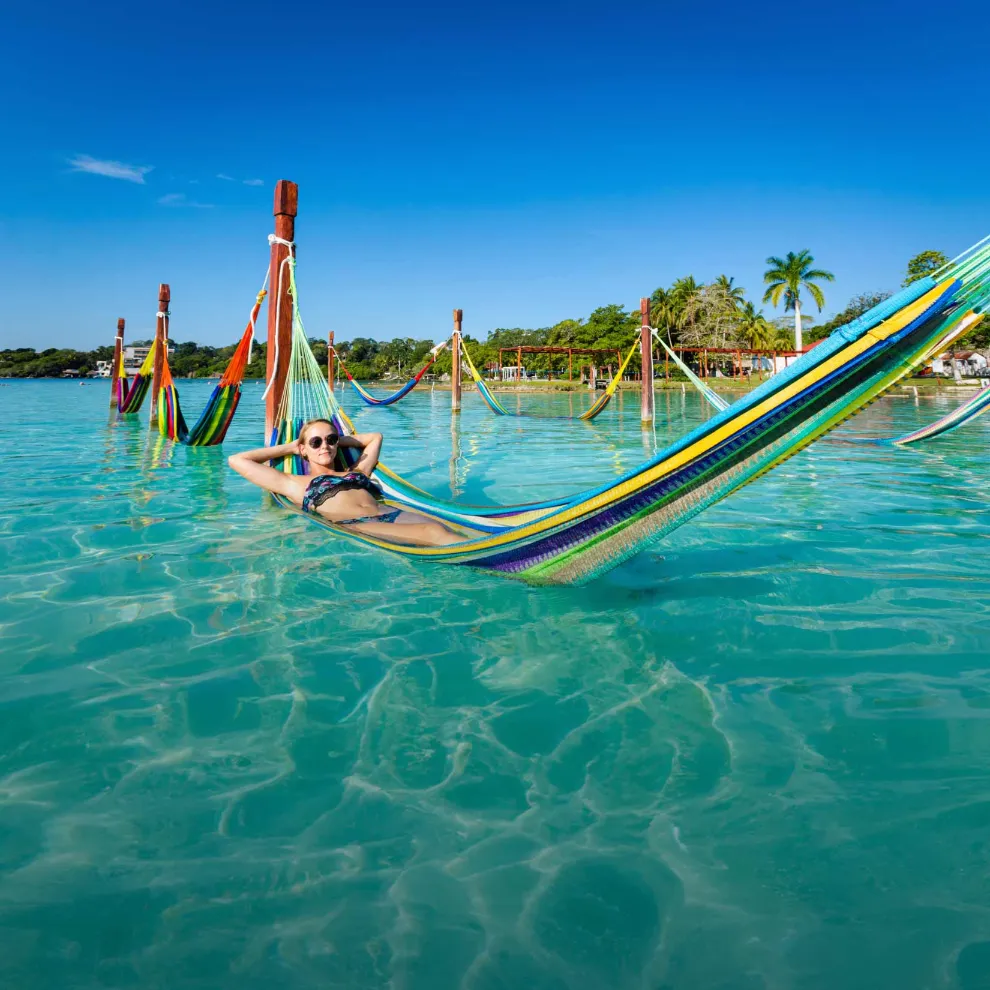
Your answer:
<point x="600" y="403"/>
<point x="130" y="398"/>
<point x="714" y="400"/>
<point x="214" y="421"/>
<point x="970" y="410"/>
<point x="373" y="400"/>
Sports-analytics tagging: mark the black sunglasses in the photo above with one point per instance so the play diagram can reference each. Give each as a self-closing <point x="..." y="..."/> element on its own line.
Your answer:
<point x="317" y="442"/>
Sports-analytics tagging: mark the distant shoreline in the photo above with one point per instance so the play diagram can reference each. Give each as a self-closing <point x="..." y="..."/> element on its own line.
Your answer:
<point x="927" y="385"/>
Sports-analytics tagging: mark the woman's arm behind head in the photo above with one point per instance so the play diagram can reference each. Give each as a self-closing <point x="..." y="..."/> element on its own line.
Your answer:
<point x="253" y="465"/>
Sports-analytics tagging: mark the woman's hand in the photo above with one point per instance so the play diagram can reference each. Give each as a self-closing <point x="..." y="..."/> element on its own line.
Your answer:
<point x="360" y="440"/>
<point x="371" y="450"/>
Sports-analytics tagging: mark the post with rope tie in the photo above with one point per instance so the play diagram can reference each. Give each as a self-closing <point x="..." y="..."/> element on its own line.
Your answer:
<point x="455" y="370"/>
<point x="280" y="300"/>
<point x="118" y="346"/>
<point x="331" y="357"/>
<point x="161" y="342"/>
<point x="646" y="410"/>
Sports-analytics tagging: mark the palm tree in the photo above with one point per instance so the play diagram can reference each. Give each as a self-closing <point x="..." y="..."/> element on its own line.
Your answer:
<point x="754" y="328"/>
<point x="735" y="293"/>
<point x="786" y="276"/>
<point x="662" y="315"/>
<point x="671" y="309"/>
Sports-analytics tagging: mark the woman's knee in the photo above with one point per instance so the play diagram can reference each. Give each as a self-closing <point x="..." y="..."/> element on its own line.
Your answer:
<point x="438" y="535"/>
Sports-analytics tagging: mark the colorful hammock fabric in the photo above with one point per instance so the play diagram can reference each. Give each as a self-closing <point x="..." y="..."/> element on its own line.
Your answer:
<point x="577" y="538"/>
<point x="373" y="400"/>
<point x="214" y="421"/>
<point x="589" y="414"/>
<point x="130" y="399"/>
<point x="714" y="400"/>
<point x="972" y="409"/>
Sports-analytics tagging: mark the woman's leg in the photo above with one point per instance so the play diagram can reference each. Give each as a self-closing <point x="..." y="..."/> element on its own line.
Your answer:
<point x="411" y="528"/>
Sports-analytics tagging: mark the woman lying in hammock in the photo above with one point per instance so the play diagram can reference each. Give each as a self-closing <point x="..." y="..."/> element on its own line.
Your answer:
<point x="345" y="498"/>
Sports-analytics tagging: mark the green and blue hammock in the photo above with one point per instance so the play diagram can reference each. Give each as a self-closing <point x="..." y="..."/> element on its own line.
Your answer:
<point x="213" y="422"/>
<point x="972" y="409"/>
<point x="576" y="538"/>
<point x="130" y="396"/>
<point x="710" y="395"/>
<point x="589" y="414"/>
<point x="486" y="393"/>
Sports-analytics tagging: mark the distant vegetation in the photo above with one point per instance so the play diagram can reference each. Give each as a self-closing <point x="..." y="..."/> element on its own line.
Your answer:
<point x="688" y="313"/>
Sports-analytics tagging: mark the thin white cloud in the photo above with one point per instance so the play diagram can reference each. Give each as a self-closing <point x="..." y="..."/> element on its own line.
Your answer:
<point x="111" y="169"/>
<point x="179" y="199"/>
<point x="254" y="182"/>
<point x="226" y="178"/>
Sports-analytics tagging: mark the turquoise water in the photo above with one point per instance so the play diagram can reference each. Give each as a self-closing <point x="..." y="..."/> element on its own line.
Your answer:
<point x="238" y="753"/>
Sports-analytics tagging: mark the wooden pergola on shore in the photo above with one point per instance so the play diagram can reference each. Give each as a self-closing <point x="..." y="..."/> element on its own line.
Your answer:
<point x="569" y="351"/>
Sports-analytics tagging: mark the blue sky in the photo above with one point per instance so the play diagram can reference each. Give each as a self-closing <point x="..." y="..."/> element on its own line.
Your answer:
<point x="526" y="162"/>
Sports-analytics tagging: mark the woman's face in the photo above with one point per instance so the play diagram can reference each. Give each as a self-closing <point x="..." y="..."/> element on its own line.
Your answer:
<point x="319" y="444"/>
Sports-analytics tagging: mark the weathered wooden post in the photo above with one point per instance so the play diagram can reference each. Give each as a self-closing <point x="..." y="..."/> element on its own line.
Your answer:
<point x="570" y="363"/>
<point x="646" y="361"/>
<point x="455" y="368"/>
<point x="331" y="359"/>
<point x="161" y="342"/>
<point x="279" y="300"/>
<point x="118" y="346"/>
<point x="519" y="364"/>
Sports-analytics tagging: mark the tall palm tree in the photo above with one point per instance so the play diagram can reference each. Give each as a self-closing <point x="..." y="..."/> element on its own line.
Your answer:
<point x="786" y="277"/>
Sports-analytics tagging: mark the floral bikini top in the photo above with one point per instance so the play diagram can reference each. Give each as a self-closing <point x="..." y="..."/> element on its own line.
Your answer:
<point x="325" y="486"/>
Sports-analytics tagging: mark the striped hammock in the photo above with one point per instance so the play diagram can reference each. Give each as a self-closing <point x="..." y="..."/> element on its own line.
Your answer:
<point x="401" y="393"/>
<point x="972" y="409"/>
<point x="131" y="398"/>
<point x="214" y="421"/>
<point x="589" y="414"/>
<point x="713" y="398"/>
<point x="574" y="539"/>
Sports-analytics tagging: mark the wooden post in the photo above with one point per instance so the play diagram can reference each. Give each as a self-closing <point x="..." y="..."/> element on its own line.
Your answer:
<point x="570" y="363"/>
<point x="646" y="362"/>
<point x="331" y="361"/>
<point x="118" y="346"/>
<point x="455" y="370"/>
<point x="161" y="342"/>
<point x="593" y="379"/>
<point x="666" y="366"/>
<point x="279" y="300"/>
<point x="519" y="364"/>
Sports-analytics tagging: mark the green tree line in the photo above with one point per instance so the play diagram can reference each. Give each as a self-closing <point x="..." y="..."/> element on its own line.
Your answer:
<point x="688" y="313"/>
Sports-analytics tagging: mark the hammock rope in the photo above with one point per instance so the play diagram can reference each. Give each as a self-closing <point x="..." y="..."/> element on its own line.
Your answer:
<point x="214" y="421"/>
<point x="576" y="538"/>
<point x="401" y="393"/>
